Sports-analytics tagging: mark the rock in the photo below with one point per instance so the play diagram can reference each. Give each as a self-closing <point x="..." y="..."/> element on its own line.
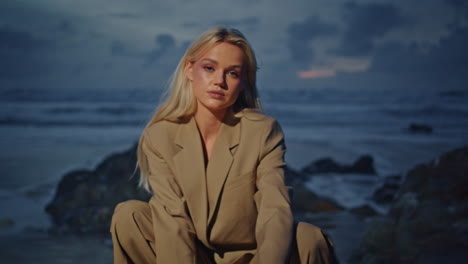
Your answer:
<point x="385" y="194"/>
<point x="453" y="93"/>
<point x="419" y="128"/>
<point x="363" y="165"/>
<point x="323" y="165"/>
<point x="427" y="222"/>
<point x="378" y="235"/>
<point x="84" y="200"/>
<point x="6" y="222"/>
<point x="304" y="200"/>
<point x="293" y="177"/>
<point x="364" y="211"/>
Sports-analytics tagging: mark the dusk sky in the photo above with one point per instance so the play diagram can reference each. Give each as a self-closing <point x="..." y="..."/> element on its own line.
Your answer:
<point x="67" y="46"/>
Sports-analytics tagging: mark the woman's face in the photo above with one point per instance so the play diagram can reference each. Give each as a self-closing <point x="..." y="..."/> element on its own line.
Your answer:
<point x="216" y="77"/>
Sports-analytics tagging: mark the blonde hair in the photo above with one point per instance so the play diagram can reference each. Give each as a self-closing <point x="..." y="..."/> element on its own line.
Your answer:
<point x="179" y="103"/>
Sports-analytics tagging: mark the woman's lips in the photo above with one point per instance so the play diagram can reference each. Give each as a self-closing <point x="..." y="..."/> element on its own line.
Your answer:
<point x="216" y="95"/>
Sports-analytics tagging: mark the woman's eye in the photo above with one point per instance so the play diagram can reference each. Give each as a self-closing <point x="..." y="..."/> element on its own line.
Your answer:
<point x="208" y="68"/>
<point x="233" y="74"/>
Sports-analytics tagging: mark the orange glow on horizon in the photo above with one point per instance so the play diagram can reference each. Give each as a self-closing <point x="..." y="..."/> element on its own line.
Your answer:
<point x="313" y="74"/>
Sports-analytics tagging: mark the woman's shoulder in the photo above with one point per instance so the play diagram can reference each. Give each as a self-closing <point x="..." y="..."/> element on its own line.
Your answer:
<point x="256" y="118"/>
<point x="253" y="114"/>
<point x="160" y="126"/>
<point x="160" y="130"/>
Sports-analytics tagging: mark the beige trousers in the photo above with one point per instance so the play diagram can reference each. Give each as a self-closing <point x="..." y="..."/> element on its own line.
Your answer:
<point x="133" y="239"/>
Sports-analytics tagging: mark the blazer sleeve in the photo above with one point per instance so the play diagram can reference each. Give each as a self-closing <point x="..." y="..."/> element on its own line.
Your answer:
<point x="274" y="225"/>
<point x="173" y="229"/>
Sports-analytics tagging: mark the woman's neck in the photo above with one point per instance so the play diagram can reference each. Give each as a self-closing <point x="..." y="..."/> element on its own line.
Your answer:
<point x="208" y="122"/>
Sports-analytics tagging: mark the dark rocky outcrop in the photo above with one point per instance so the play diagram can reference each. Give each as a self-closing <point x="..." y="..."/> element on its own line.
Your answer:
<point x="419" y="128"/>
<point x="363" y="165"/>
<point x="293" y="177"/>
<point x="428" y="221"/>
<point x="385" y="193"/>
<point x="303" y="199"/>
<point x="84" y="200"/>
<point x="364" y="211"/>
<point x="6" y="222"/>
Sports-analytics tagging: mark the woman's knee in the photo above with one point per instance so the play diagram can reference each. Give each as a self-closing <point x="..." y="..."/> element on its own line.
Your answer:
<point x="132" y="232"/>
<point x="125" y="212"/>
<point x="309" y="234"/>
<point x="312" y="241"/>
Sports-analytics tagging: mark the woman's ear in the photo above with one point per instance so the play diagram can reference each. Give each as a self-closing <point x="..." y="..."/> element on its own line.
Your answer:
<point x="188" y="68"/>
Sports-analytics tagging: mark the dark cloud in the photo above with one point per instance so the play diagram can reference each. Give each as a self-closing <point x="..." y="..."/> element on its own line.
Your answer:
<point x="118" y="48"/>
<point x="248" y="24"/>
<point x="447" y="58"/>
<point x="16" y="40"/>
<point x="457" y="3"/>
<point x="245" y="24"/>
<point x="164" y="43"/>
<point x="460" y="13"/>
<point x="66" y="27"/>
<point x="364" y="24"/>
<point x="190" y="25"/>
<point x="20" y="53"/>
<point x="19" y="66"/>
<point x="164" y="46"/>
<point x="125" y="15"/>
<point x="165" y="40"/>
<point x="301" y="36"/>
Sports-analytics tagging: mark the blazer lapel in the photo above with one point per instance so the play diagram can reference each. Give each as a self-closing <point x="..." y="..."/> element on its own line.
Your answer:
<point x="201" y="188"/>
<point x="221" y="160"/>
<point x="189" y="166"/>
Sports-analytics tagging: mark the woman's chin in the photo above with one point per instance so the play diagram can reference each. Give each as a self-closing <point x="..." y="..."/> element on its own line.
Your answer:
<point x="216" y="105"/>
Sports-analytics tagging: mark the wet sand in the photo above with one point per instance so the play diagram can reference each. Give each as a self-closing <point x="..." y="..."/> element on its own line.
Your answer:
<point x="42" y="248"/>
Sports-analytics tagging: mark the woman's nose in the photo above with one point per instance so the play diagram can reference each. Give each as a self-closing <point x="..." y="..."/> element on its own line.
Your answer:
<point x="220" y="79"/>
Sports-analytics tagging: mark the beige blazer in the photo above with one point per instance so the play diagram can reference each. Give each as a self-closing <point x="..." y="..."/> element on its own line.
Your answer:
<point x="238" y="206"/>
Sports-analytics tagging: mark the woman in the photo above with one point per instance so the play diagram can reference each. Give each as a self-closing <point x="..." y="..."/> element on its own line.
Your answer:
<point x="215" y="167"/>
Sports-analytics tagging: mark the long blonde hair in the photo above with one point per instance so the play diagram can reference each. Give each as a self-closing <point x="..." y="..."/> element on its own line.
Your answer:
<point x="179" y="103"/>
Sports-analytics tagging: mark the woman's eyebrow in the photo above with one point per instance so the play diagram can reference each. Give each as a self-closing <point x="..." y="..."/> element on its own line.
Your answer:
<point x="210" y="60"/>
<point x="215" y="62"/>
